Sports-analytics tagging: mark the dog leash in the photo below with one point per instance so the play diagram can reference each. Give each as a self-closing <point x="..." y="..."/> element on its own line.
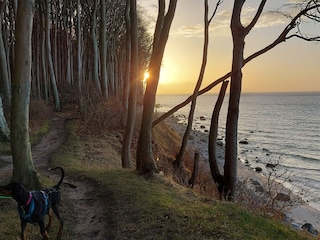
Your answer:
<point x="5" y="197"/>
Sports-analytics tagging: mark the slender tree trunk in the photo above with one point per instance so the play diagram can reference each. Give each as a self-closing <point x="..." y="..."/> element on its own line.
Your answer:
<point x="231" y="152"/>
<point x="126" y="77"/>
<point x="49" y="58"/>
<point x="134" y="75"/>
<point x="4" y="74"/>
<point x="103" y="50"/>
<point x="186" y="135"/>
<point x="95" y="47"/>
<point x="79" y="59"/>
<point x="195" y="172"/>
<point x="145" y="161"/>
<point x="212" y="144"/>
<point x="4" y="129"/>
<point x="23" y="168"/>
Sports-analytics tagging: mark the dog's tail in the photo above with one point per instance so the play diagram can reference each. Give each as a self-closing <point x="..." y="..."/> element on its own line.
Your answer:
<point x="62" y="175"/>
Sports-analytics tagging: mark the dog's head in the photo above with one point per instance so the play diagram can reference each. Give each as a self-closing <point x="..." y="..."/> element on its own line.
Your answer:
<point x="15" y="190"/>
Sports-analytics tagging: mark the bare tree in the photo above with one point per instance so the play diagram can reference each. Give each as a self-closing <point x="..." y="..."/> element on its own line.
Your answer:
<point x="95" y="47"/>
<point x="4" y="73"/>
<point x="49" y="57"/>
<point x="134" y="78"/>
<point x="103" y="50"/>
<point x="186" y="135"/>
<point x="308" y="10"/>
<point x="144" y="158"/>
<point x="23" y="168"/>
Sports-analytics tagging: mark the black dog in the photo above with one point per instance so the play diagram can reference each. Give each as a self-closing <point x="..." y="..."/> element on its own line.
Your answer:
<point x="33" y="206"/>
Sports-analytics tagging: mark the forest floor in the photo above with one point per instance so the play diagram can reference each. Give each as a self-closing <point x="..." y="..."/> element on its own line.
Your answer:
<point x="87" y="215"/>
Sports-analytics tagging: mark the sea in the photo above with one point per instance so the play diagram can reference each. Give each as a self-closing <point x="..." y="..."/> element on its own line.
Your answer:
<point x="280" y="128"/>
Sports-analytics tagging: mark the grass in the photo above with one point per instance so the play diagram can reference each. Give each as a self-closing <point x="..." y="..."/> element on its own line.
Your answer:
<point x="139" y="208"/>
<point x="157" y="208"/>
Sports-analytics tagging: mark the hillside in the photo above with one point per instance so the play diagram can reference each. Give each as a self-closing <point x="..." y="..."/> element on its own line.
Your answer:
<point x="112" y="203"/>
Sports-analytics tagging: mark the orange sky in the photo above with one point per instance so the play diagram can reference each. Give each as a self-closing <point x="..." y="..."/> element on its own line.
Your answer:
<point x="291" y="66"/>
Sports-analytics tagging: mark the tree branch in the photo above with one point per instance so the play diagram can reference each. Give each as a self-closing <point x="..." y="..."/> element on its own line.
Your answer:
<point x="256" y="17"/>
<point x="281" y="38"/>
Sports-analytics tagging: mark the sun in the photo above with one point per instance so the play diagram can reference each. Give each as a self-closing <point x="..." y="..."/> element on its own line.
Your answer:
<point x="146" y="76"/>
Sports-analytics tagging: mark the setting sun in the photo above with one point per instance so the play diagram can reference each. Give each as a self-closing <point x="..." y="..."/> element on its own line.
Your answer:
<point x="146" y="76"/>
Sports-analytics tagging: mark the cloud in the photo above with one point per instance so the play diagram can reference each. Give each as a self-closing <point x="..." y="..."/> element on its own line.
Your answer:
<point x="222" y="21"/>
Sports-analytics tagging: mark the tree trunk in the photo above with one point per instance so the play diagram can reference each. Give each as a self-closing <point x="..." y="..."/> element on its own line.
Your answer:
<point x="145" y="161"/>
<point x="4" y="129"/>
<point x="186" y="135"/>
<point x="134" y="78"/>
<point x="4" y="74"/>
<point x="95" y="47"/>
<point x="192" y="180"/>
<point x="49" y="58"/>
<point x="23" y="168"/>
<point x="79" y="59"/>
<point x="231" y="152"/>
<point x="103" y="51"/>
<point x="126" y="77"/>
<point x="212" y="144"/>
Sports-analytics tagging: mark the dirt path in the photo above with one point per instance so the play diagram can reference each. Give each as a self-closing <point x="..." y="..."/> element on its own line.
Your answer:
<point x="81" y="207"/>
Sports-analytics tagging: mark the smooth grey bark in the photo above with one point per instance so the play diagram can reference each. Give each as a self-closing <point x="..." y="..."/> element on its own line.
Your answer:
<point x="95" y="47"/>
<point x="23" y="168"/>
<point x="49" y="59"/>
<point x="126" y="76"/>
<point x="103" y="51"/>
<point x="5" y="87"/>
<point x="134" y="78"/>
<point x="79" y="39"/>
<point x="4" y="129"/>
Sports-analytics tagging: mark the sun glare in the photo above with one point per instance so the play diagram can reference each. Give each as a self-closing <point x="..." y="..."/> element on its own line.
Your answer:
<point x="146" y="76"/>
<point x="163" y="75"/>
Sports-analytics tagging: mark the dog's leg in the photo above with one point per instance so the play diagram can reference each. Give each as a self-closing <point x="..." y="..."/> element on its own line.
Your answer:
<point x="43" y="230"/>
<point x="57" y="213"/>
<point x="50" y="214"/>
<point x="23" y="230"/>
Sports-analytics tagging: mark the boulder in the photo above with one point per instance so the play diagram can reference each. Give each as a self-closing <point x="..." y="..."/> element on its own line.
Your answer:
<point x="244" y="142"/>
<point x="309" y="229"/>
<point x="271" y="165"/>
<point x="283" y="197"/>
<point x="258" y="169"/>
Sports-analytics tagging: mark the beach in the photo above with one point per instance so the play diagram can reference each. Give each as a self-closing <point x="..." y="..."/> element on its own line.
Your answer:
<point x="198" y="141"/>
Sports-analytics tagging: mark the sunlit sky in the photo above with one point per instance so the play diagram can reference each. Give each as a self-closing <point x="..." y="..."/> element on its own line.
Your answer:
<point x="291" y="66"/>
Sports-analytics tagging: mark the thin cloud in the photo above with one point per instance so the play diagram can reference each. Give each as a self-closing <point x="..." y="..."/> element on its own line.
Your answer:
<point x="222" y="21"/>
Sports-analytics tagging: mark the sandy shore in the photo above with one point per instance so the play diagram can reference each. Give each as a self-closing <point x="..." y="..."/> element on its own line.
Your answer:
<point x="296" y="216"/>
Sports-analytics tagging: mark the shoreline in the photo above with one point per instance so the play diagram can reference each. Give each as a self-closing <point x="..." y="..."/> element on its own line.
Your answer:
<point x="296" y="216"/>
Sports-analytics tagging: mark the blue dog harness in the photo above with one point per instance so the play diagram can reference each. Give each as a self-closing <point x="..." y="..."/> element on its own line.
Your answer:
<point x="26" y="215"/>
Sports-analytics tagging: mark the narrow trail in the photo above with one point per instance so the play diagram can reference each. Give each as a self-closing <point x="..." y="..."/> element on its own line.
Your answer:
<point x="84" y="211"/>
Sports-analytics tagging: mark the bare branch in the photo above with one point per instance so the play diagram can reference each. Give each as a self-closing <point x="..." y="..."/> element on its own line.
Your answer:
<point x="215" y="10"/>
<point x="256" y="17"/>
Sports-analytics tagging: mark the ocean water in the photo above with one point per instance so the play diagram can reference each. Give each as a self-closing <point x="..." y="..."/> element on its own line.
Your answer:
<point x="279" y="127"/>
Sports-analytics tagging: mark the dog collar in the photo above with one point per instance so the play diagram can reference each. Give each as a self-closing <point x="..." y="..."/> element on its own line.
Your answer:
<point x="29" y="200"/>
